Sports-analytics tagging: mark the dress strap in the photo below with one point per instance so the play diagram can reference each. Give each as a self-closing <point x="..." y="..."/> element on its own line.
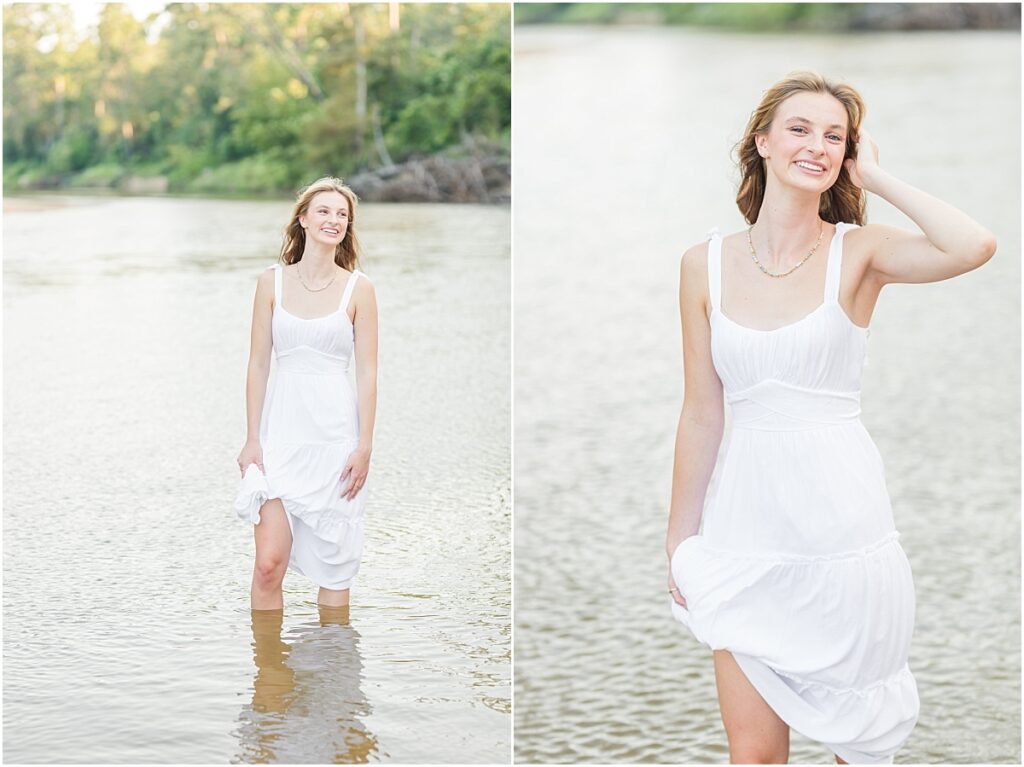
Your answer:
<point x="277" y="284"/>
<point x="715" y="269"/>
<point x="834" y="268"/>
<point x="347" y="295"/>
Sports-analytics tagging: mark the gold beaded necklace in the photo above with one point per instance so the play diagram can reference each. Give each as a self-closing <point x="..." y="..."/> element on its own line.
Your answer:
<point x="314" y="290"/>
<point x="750" y="243"/>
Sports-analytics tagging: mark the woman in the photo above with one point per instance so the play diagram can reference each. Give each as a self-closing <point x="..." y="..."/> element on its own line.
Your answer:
<point x="796" y="579"/>
<point x="307" y="453"/>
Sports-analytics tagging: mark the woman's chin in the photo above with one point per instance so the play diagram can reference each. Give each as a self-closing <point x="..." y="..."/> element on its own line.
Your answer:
<point x="809" y="183"/>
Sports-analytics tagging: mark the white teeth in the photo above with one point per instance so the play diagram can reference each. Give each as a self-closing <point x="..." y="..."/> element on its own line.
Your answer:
<point x="808" y="166"/>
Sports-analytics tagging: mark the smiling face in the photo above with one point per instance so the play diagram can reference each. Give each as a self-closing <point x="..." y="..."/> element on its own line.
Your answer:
<point x="806" y="142"/>
<point x="327" y="217"/>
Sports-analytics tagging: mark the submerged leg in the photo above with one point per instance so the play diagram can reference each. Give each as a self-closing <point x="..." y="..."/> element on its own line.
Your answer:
<point x="333" y="615"/>
<point x="332" y="597"/>
<point x="756" y="733"/>
<point x="273" y="546"/>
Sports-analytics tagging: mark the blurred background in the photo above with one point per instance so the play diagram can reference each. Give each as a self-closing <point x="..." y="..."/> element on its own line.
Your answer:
<point x="152" y="154"/>
<point x="624" y="129"/>
<point x="781" y="17"/>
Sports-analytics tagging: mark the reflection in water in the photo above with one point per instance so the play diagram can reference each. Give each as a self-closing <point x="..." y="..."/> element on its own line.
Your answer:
<point x="307" y="703"/>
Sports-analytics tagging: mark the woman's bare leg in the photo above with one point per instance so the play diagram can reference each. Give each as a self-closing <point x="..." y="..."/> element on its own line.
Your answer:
<point x="273" y="546"/>
<point x="756" y="733"/>
<point x="333" y="615"/>
<point x="332" y="597"/>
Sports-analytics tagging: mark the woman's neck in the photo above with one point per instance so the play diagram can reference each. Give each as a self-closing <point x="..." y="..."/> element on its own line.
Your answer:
<point x="787" y="225"/>
<point x="317" y="261"/>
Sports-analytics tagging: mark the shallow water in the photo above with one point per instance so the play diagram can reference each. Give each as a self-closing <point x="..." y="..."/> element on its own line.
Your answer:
<point x="127" y="630"/>
<point x="622" y="139"/>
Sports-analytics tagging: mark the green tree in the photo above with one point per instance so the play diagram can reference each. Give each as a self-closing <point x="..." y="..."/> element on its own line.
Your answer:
<point x="248" y="96"/>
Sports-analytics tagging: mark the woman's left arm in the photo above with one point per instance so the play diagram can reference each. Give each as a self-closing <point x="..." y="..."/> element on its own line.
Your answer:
<point x="365" y="327"/>
<point x="952" y="242"/>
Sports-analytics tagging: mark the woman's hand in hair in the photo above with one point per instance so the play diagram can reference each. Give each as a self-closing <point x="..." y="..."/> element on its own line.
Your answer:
<point x="863" y="168"/>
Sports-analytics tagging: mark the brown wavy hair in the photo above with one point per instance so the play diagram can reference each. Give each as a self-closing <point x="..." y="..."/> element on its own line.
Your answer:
<point x="844" y="200"/>
<point x="347" y="252"/>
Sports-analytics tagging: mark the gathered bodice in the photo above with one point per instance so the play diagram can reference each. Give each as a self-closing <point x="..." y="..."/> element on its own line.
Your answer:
<point x="801" y="375"/>
<point x="322" y="345"/>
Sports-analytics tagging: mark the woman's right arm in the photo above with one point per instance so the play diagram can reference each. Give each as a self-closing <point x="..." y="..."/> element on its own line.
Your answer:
<point x="260" y="345"/>
<point x="702" y="419"/>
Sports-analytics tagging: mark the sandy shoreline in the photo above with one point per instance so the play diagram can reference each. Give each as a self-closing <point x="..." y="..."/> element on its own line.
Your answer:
<point x="31" y="203"/>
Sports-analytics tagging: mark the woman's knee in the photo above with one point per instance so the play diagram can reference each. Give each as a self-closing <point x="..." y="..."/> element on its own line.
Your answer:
<point x="273" y="544"/>
<point x="270" y="567"/>
<point x="757" y="753"/>
<point x="751" y="742"/>
<point x="756" y="733"/>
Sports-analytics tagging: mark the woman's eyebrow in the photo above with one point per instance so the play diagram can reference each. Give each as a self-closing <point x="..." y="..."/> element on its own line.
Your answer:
<point x="805" y="120"/>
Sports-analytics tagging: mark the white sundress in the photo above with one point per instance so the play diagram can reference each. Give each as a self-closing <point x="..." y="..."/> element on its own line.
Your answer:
<point x="797" y="570"/>
<point x="308" y="428"/>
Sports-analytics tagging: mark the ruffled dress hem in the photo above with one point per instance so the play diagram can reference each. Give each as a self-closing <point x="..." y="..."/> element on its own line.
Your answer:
<point x="832" y="721"/>
<point x="326" y="529"/>
<point x="722" y="587"/>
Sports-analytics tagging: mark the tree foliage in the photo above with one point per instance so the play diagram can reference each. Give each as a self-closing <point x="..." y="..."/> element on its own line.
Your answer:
<point x="782" y="17"/>
<point x="248" y="97"/>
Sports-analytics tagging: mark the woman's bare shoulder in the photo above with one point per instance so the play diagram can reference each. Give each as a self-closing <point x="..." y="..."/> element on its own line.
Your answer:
<point x="693" y="270"/>
<point x="363" y="286"/>
<point x="874" y="232"/>
<point x="860" y="242"/>
<point x="737" y="239"/>
<point x="695" y="255"/>
<point x="363" y="291"/>
<point x="265" y="280"/>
